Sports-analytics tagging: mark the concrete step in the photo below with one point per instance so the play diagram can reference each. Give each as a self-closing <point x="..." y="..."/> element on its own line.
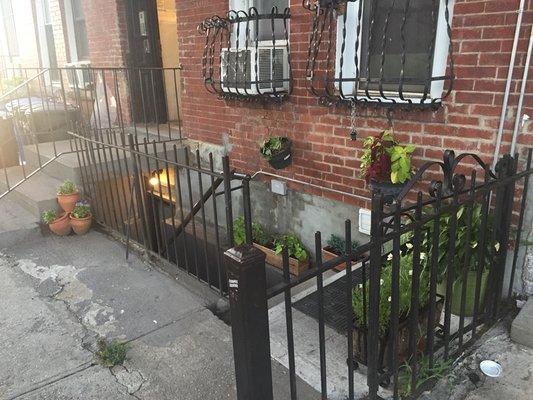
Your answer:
<point x="36" y="195"/>
<point x="522" y="326"/>
<point x="65" y="167"/>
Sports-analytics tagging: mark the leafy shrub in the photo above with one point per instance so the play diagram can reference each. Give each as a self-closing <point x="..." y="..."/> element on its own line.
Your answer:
<point x="406" y="275"/>
<point x="461" y="244"/>
<point x="49" y="217"/>
<point x="68" y="187"/>
<point x="294" y="246"/>
<point x="81" y="210"/>
<point x="338" y="245"/>
<point x="111" y="353"/>
<point x="272" y="146"/>
<point x="239" y="232"/>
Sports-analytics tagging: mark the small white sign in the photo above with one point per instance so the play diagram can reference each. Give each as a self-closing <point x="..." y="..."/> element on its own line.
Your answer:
<point x="365" y="219"/>
<point x="233" y="283"/>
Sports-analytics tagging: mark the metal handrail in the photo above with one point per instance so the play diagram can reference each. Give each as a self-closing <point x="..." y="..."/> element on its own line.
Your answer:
<point x="25" y="83"/>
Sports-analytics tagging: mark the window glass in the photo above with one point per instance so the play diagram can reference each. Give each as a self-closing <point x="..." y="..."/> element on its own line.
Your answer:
<point x="80" y="30"/>
<point x="264" y="31"/>
<point x="418" y="33"/>
<point x="9" y="27"/>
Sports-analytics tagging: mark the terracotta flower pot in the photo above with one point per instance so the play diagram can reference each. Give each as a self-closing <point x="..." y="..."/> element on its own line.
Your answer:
<point x="81" y="226"/>
<point x="68" y="201"/>
<point x="61" y="226"/>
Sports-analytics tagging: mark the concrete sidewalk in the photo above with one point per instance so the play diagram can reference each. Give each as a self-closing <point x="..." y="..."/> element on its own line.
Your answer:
<point x="60" y="295"/>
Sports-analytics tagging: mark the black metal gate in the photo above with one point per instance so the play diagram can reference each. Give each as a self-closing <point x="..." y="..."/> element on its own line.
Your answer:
<point x="434" y="276"/>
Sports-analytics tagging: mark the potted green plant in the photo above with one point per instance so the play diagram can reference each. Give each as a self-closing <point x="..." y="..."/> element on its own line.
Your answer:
<point x="273" y="247"/>
<point x="67" y="196"/>
<point x="58" y="224"/>
<point x="336" y="246"/>
<point x="81" y="218"/>
<point x="361" y="308"/>
<point x="239" y="234"/>
<point x="386" y="165"/>
<point x="277" y="151"/>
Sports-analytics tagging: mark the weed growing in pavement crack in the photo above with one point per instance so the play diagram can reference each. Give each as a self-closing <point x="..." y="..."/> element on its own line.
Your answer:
<point x="111" y="353"/>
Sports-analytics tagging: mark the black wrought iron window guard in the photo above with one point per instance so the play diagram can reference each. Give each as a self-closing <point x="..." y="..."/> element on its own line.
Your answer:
<point x="388" y="52"/>
<point x="247" y="55"/>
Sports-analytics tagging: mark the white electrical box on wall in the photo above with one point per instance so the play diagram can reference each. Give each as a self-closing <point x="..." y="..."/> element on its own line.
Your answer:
<point x="365" y="218"/>
<point x="278" y="187"/>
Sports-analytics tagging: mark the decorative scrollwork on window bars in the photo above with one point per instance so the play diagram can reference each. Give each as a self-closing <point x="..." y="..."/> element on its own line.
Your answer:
<point x="247" y="55"/>
<point x="384" y="52"/>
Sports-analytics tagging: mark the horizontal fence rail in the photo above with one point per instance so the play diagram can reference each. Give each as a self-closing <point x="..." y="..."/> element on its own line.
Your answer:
<point x="437" y="272"/>
<point x="40" y="106"/>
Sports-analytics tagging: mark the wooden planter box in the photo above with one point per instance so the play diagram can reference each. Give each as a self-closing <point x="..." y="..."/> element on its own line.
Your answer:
<point x="360" y="335"/>
<point x="328" y="255"/>
<point x="295" y="267"/>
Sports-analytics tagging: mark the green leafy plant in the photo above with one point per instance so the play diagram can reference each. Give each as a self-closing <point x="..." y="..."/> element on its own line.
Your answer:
<point x="385" y="160"/>
<point x="294" y="246"/>
<point x="66" y="188"/>
<point x="81" y="210"/>
<point x="406" y="274"/>
<point x="10" y="84"/>
<point x="111" y="353"/>
<point x="271" y="146"/>
<point x="463" y="249"/>
<point x="49" y="216"/>
<point x="258" y="233"/>
<point x="338" y="245"/>
<point x="400" y="168"/>
<point x="425" y="374"/>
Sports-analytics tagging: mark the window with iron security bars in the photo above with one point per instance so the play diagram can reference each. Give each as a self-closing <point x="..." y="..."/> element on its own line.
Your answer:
<point x="387" y="52"/>
<point x="247" y="53"/>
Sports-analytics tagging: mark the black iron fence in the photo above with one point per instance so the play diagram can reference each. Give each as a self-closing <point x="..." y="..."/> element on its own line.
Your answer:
<point x="247" y="54"/>
<point x="437" y="272"/>
<point x="39" y="106"/>
<point x="176" y="202"/>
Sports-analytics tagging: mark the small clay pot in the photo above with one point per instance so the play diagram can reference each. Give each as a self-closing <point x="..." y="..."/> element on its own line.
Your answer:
<point x="68" y="201"/>
<point x="81" y="226"/>
<point x="61" y="225"/>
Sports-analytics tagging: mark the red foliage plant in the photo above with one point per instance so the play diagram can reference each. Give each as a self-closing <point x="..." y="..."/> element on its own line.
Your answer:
<point x="376" y="161"/>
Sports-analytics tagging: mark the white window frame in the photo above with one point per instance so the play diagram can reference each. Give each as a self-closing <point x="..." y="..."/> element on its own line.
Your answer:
<point x="71" y="33"/>
<point x="245" y="5"/>
<point x="440" y="57"/>
<point x="43" y="42"/>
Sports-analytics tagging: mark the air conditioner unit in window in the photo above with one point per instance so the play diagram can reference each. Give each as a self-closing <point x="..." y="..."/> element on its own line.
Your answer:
<point x="257" y="70"/>
<point x="79" y="74"/>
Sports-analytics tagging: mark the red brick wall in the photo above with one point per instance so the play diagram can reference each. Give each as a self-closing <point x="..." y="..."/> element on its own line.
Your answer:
<point x="106" y="32"/>
<point x="483" y="34"/>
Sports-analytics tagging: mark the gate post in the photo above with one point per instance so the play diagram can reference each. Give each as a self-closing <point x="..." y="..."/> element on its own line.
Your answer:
<point x="249" y="322"/>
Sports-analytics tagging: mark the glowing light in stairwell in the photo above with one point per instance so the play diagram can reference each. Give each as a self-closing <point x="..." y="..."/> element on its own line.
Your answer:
<point x="154" y="181"/>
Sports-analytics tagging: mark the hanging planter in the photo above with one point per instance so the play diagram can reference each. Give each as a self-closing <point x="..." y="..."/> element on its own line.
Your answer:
<point x="277" y="151"/>
<point x="386" y="165"/>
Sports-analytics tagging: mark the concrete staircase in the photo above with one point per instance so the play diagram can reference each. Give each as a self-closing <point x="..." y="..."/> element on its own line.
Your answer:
<point x="38" y="193"/>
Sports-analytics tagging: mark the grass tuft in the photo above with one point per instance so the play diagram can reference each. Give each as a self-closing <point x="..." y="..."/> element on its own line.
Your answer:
<point x="111" y="353"/>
